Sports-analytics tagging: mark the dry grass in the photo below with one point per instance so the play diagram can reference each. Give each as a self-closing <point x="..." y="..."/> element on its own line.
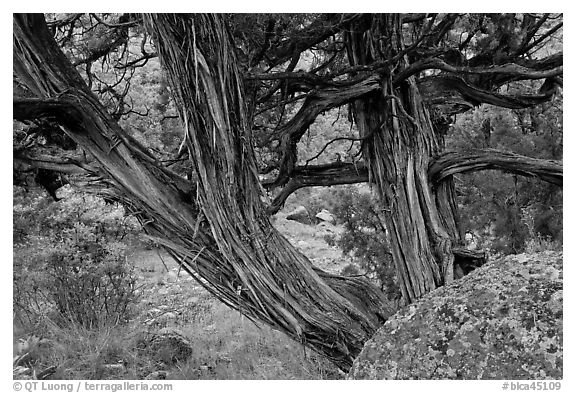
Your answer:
<point x="229" y="346"/>
<point x="226" y="344"/>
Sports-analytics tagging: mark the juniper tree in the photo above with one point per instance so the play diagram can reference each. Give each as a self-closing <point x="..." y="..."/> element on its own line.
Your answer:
<point x="233" y="79"/>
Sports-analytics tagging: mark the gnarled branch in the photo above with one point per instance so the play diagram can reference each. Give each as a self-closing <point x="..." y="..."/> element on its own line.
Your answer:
<point x="511" y="69"/>
<point x="314" y="105"/>
<point x="453" y="95"/>
<point x="474" y="160"/>
<point x="320" y="175"/>
<point x="318" y="31"/>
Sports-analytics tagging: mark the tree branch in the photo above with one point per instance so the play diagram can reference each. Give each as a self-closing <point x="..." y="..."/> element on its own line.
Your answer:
<point x="139" y="62"/>
<point x="65" y="21"/>
<point x="116" y="25"/>
<point x="510" y="69"/>
<point x="453" y="95"/>
<point x="317" y="103"/>
<point x="450" y="93"/>
<point x="411" y="18"/>
<point x="531" y="28"/>
<point x="319" y="175"/>
<point x="35" y="108"/>
<point x="543" y="37"/>
<point x="318" y="31"/>
<point x="63" y="165"/>
<point x="442" y="29"/>
<point x="474" y="160"/>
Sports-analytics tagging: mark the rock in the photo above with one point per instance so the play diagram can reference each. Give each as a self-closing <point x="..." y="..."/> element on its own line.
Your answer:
<point x="170" y="345"/>
<point x="325" y="215"/>
<point x="300" y="214"/>
<point x="502" y="321"/>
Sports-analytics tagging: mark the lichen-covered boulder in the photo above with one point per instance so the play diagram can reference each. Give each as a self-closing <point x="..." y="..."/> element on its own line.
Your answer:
<point x="502" y="321"/>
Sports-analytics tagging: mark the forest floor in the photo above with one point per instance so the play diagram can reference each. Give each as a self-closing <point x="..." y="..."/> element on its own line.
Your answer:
<point x="225" y="345"/>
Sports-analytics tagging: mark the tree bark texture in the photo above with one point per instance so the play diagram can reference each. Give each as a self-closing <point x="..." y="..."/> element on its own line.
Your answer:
<point x="452" y="162"/>
<point x="400" y="141"/>
<point x="217" y="226"/>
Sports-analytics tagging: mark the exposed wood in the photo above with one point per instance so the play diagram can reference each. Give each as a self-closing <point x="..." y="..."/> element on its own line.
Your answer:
<point x="277" y="284"/>
<point x="70" y="166"/>
<point x="226" y="241"/>
<point x="397" y="155"/>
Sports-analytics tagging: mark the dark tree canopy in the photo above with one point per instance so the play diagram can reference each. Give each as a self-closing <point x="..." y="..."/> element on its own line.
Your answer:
<point x="234" y="100"/>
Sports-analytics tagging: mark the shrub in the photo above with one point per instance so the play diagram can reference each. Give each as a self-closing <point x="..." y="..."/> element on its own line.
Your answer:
<point x="364" y="237"/>
<point x="70" y="261"/>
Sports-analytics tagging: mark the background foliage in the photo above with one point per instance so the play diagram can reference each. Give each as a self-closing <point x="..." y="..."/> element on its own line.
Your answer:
<point x="70" y="259"/>
<point x="505" y="213"/>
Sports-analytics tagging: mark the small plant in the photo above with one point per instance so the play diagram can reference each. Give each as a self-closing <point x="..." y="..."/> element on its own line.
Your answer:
<point x="364" y="237"/>
<point x="70" y="263"/>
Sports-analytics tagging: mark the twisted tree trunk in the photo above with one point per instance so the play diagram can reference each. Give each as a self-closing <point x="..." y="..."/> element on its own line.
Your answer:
<point x="400" y="143"/>
<point x="215" y="226"/>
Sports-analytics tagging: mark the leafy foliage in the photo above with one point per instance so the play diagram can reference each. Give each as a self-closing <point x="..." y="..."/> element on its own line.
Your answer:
<point x="364" y="237"/>
<point x="503" y="212"/>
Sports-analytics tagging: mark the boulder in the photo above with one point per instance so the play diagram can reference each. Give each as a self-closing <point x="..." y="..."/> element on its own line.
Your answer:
<point x="502" y="321"/>
<point x="325" y="215"/>
<point x="300" y="214"/>
<point x="170" y="345"/>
